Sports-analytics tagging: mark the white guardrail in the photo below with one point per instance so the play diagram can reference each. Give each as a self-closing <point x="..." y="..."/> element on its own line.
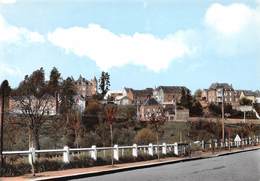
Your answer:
<point x="176" y="148"/>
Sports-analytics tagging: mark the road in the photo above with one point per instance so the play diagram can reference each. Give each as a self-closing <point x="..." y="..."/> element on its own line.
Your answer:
<point x="237" y="167"/>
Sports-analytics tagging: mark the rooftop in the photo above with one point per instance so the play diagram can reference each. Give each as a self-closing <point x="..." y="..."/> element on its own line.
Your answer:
<point x="215" y="86"/>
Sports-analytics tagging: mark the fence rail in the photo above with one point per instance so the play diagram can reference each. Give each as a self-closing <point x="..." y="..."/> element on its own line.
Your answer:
<point x="176" y="148"/>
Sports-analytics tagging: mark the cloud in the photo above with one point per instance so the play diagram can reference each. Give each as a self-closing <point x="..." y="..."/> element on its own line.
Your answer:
<point x="232" y="30"/>
<point x="115" y="50"/>
<point x="231" y="19"/>
<point x="7" y="1"/>
<point x="13" y="34"/>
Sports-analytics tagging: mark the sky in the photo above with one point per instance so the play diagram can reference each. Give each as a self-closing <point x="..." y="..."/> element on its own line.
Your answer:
<point x="141" y="43"/>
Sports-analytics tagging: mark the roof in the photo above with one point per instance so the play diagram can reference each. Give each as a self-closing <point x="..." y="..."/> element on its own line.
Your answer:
<point x="257" y="93"/>
<point x="249" y="93"/>
<point x="226" y="86"/>
<point x="121" y="97"/>
<point x="144" y="92"/>
<point x="172" y="89"/>
<point x="150" y="102"/>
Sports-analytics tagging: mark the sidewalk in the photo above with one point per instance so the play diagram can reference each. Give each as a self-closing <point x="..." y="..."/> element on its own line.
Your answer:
<point x="101" y="170"/>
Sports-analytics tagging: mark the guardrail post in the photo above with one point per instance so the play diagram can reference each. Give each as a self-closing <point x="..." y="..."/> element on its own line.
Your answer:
<point x="226" y="142"/>
<point x="257" y="140"/>
<point x="116" y="152"/>
<point x="66" y="154"/>
<point x="221" y="144"/>
<point x="176" y="149"/>
<point x="32" y="156"/>
<point x="202" y="145"/>
<point x="135" y="150"/>
<point x="93" y="152"/>
<point x="144" y="150"/>
<point x="164" y="148"/>
<point x="150" y="149"/>
<point x="155" y="148"/>
<point x="122" y="152"/>
<point x="170" y="148"/>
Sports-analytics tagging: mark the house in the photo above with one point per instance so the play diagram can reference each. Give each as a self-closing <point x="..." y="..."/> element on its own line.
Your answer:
<point x="168" y="94"/>
<point x="151" y="105"/>
<point x="137" y="97"/>
<point x="118" y="97"/>
<point x="248" y="94"/>
<point x="218" y="92"/>
<point x="148" y="107"/>
<point x="257" y="98"/>
<point x="123" y="100"/>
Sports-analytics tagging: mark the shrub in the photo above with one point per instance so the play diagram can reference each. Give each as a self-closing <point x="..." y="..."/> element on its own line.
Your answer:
<point x="145" y="136"/>
<point x="21" y="167"/>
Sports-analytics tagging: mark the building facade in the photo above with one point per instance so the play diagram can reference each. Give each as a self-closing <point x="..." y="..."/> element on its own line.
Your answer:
<point x="137" y="97"/>
<point x="219" y="92"/>
<point x="168" y="94"/>
<point x="86" y="88"/>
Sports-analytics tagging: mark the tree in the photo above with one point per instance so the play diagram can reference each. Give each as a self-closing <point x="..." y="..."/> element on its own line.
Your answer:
<point x="34" y="102"/>
<point x="215" y="109"/>
<point x="196" y="109"/>
<point x="186" y="98"/>
<point x="157" y="120"/>
<point x="54" y="85"/>
<point x="68" y="91"/>
<point x="104" y="83"/>
<point x="4" y="92"/>
<point x="76" y="126"/>
<point x="245" y="102"/>
<point x="110" y="113"/>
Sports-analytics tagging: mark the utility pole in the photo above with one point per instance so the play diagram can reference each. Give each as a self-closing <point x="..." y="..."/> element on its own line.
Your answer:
<point x="2" y="130"/>
<point x="4" y="91"/>
<point x="222" y="110"/>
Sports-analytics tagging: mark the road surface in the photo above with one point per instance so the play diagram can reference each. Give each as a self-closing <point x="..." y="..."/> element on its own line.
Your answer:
<point x="237" y="167"/>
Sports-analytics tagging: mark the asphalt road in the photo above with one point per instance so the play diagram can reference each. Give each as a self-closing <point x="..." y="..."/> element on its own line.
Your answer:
<point x="237" y="167"/>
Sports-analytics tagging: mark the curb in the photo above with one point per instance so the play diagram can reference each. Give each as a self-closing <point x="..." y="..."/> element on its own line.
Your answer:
<point x="149" y="165"/>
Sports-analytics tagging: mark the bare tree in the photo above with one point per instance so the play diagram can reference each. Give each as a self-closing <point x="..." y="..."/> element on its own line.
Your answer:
<point x="110" y="113"/>
<point x="157" y="119"/>
<point x="32" y="100"/>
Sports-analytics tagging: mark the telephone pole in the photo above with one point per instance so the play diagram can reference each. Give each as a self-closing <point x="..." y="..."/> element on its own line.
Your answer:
<point x="222" y="110"/>
<point x="2" y="130"/>
<point x="4" y="92"/>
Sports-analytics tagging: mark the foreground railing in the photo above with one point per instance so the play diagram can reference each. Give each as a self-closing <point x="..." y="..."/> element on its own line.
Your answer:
<point x="135" y="150"/>
<point x="118" y="151"/>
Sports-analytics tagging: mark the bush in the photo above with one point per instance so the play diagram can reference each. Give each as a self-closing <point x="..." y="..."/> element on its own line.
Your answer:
<point x="145" y="136"/>
<point x="22" y="167"/>
<point x="11" y="170"/>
